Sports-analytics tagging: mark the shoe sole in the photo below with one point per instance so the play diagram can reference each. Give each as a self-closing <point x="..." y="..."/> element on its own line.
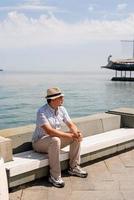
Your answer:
<point x="78" y="175"/>
<point x="56" y="185"/>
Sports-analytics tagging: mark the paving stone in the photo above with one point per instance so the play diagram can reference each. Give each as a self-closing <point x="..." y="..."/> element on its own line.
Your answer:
<point x="127" y="158"/>
<point x="99" y="171"/>
<point x="16" y="195"/>
<point x="123" y="177"/>
<point x="132" y="151"/>
<point x="127" y="185"/>
<point x="60" y="193"/>
<point x="115" y="165"/>
<point x="96" y="195"/>
<point x="82" y="184"/>
<point x="34" y="194"/>
<point x="106" y="185"/>
<point x="97" y="168"/>
<point x="128" y="195"/>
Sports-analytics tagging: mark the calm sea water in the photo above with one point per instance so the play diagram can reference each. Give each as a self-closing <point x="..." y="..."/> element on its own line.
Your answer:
<point x="86" y="93"/>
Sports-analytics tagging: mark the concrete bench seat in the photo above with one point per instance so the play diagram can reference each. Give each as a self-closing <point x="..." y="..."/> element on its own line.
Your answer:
<point x="28" y="161"/>
<point x="104" y="140"/>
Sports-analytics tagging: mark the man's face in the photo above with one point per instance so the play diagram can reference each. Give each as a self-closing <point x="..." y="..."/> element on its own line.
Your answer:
<point x="58" y="101"/>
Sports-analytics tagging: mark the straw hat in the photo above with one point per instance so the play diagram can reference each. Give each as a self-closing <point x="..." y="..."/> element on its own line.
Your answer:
<point x="53" y="93"/>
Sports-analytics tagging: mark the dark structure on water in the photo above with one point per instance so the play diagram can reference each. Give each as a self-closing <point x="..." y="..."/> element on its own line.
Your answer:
<point x="124" y="67"/>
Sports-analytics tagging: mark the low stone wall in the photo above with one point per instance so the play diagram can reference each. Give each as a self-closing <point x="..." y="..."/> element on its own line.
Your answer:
<point x="89" y="125"/>
<point x="97" y="123"/>
<point x="127" y="116"/>
<point x="20" y="136"/>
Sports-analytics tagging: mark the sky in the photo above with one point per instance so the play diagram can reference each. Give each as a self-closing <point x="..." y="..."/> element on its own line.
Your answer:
<point x="64" y="35"/>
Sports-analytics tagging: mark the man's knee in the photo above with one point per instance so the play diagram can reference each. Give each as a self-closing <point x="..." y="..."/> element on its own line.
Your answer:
<point x="56" y="141"/>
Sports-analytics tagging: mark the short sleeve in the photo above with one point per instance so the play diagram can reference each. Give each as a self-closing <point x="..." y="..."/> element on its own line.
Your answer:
<point x="66" y="117"/>
<point x="41" y="119"/>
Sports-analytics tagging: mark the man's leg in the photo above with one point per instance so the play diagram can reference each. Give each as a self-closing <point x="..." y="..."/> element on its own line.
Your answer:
<point x="74" y="154"/>
<point x="50" y="145"/>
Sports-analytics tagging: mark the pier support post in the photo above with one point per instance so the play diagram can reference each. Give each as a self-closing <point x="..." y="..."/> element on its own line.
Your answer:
<point x="130" y="74"/>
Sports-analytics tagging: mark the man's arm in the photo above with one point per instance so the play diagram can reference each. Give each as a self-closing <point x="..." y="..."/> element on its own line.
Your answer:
<point x="74" y="129"/>
<point x="56" y="133"/>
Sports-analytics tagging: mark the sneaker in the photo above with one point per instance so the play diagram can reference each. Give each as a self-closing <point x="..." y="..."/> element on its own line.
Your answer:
<point x="77" y="171"/>
<point x="56" y="182"/>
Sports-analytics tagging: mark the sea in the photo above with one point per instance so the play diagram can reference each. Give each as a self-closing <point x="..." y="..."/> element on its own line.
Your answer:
<point x="86" y="93"/>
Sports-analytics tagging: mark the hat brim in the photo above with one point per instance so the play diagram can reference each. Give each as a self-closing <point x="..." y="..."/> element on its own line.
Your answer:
<point x="55" y="97"/>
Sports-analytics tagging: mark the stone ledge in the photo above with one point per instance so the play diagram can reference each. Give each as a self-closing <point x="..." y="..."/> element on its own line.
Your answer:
<point x="123" y="110"/>
<point x="127" y="116"/>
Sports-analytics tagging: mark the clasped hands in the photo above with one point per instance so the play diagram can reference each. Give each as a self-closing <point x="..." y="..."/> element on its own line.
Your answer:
<point x="77" y="136"/>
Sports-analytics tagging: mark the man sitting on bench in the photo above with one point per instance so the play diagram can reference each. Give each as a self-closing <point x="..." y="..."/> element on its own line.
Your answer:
<point x="48" y="138"/>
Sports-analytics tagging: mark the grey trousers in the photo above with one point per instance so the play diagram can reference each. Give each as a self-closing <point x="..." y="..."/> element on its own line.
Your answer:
<point x="52" y="146"/>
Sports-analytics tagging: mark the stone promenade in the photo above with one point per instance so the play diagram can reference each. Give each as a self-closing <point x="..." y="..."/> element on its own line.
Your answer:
<point x="110" y="179"/>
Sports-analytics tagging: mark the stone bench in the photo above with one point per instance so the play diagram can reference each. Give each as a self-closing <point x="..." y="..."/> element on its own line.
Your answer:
<point x="29" y="165"/>
<point x="89" y="125"/>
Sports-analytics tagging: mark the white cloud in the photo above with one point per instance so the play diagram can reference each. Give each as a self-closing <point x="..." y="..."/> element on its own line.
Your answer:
<point x="91" y="8"/>
<point x="19" y="30"/>
<point x="33" y="2"/>
<point x="121" y="7"/>
<point x="29" y="5"/>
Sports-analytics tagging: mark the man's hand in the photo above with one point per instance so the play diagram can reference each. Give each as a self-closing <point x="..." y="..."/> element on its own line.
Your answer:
<point x="77" y="136"/>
